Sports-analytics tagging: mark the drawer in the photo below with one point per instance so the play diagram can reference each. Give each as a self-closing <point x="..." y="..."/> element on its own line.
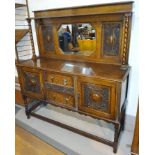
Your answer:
<point x="97" y="97"/>
<point x="60" y="98"/>
<point x="60" y="79"/>
<point x="31" y="82"/>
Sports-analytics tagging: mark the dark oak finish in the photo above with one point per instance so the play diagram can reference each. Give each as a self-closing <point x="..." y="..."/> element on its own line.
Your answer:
<point x="105" y="71"/>
<point x="89" y="10"/>
<point x="101" y="24"/>
<point x="94" y="85"/>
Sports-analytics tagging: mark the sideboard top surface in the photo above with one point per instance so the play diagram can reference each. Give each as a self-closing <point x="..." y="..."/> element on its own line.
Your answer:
<point x="90" y="69"/>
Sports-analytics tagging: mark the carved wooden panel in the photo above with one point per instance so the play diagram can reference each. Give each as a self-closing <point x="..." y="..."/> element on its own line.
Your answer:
<point x="60" y="98"/>
<point x="47" y="36"/>
<point x="59" y="88"/>
<point x="111" y="42"/>
<point x="31" y="82"/>
<point x="96" y="97"/>
<point x="59" y="79"/>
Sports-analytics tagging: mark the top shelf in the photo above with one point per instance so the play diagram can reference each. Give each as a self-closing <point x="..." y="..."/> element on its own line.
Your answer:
<point x="17" y="5"/>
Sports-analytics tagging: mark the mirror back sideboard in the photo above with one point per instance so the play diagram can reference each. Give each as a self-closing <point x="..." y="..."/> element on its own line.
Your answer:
<point x="82" y="64"/>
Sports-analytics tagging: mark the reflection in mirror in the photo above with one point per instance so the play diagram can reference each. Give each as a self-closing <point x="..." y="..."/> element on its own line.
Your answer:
<point x="77" y="39"/>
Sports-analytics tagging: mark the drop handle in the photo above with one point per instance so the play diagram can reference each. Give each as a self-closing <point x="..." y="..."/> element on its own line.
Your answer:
<point x="66" y="100"/>
<point x="52" y="79"/>
<point x="65" y="82"/>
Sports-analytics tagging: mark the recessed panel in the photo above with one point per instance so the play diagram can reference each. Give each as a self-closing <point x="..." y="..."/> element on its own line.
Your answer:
<point x="32" y="82"/>
<point x="47" y="36"/>
<point x="111" y="42"/>
<point x="96" y="97"/>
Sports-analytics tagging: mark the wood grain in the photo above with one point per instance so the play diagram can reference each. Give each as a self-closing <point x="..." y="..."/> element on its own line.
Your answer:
<point x="89" y="10"/>
<point x="27" y="144"/>
<point x="91" y="69"/>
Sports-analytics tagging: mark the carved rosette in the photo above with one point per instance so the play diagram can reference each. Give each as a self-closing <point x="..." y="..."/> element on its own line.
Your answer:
<point x="32" y="82"/>
<point x="126" y="31"/>
<point x="96" y="97"/>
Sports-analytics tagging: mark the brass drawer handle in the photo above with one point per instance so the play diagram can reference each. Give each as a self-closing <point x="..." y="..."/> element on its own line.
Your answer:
<point x="65" y="82"/>
<point x="52" y="79"/>
<point x="66" y="100"/>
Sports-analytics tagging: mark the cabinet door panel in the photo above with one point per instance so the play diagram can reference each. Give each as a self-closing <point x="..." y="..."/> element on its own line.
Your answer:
<point x="32" y="82"/>
<point x="97" y="97"/>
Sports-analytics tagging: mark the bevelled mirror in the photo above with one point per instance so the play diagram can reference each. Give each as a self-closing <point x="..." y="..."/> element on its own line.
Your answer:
<point x="77" y="39"/>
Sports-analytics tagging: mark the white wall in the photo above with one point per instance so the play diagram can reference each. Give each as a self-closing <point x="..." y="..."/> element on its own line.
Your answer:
<point x="133" y="57"/>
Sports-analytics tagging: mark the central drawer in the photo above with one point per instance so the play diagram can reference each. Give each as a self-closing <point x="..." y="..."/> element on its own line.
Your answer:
<point x="59" y="79"/>
<point x="59" y="89"/>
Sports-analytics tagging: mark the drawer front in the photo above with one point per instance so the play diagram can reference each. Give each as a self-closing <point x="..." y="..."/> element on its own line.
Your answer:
<point x="97" y="97"/>
<point x="60" y="98"/>
<point x="59" y="79"/>
<point x="32" y="82"/>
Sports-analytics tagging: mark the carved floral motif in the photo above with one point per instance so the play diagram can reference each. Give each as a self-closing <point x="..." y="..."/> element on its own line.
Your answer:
<point x="32" y="82"/>
<point x="96" y="97"/>
<point x="111" y="39"/>
<point x="47" y="38"/>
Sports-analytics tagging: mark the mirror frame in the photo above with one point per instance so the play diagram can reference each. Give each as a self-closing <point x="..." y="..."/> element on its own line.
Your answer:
<point x="96" y="17"/>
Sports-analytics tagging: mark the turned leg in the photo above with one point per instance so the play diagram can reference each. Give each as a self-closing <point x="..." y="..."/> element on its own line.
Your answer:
<point x="26" y="107"/>
<point x="116" y="136"/>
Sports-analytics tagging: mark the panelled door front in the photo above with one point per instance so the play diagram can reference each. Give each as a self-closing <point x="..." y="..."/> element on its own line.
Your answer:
<point x="32" y="82"/>
<point x="97" y="97"/>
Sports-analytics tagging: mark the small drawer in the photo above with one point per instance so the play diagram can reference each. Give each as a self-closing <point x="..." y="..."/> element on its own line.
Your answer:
<point x="60" y="98"/>
<point x="59" y="79"/>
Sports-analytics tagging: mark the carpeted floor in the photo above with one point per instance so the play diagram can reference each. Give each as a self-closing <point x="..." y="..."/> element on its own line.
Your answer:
<point x="69" y="142"/>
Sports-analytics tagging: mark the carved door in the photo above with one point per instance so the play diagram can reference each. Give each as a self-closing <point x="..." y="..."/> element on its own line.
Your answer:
<point x="32" y="82"/>
<point x="97" y="97"/>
